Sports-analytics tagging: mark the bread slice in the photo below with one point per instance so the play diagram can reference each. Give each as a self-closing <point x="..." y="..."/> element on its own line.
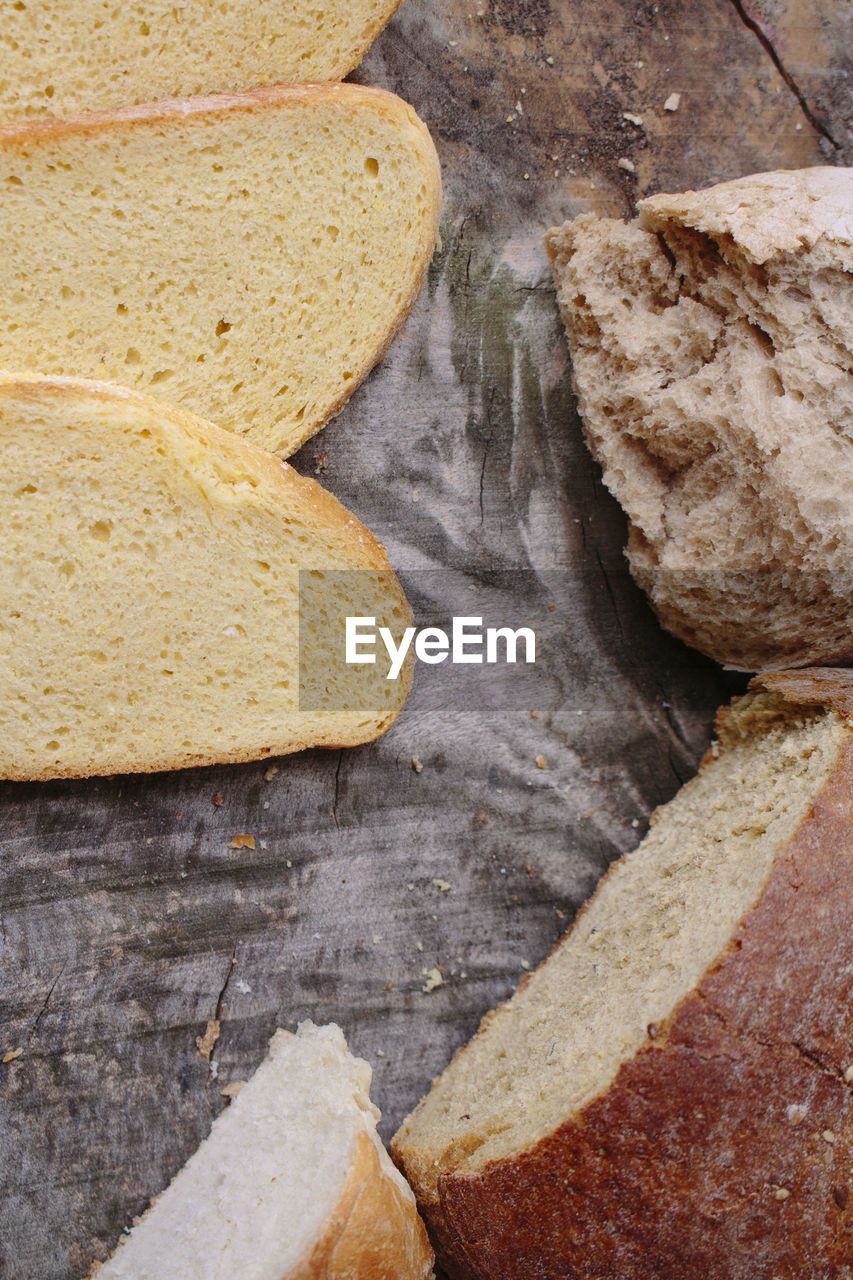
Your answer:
<point x="712" y="349"/>
<point x="170" y="595"/>
<point x="247" y="257"/>
<point x="293" y="1183"/>
<point x="68" y="56"/>
<point x="669" y="1094"/>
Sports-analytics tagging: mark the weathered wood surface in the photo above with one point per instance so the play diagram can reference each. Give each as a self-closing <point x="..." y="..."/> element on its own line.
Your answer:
<point x="127" y="921"/>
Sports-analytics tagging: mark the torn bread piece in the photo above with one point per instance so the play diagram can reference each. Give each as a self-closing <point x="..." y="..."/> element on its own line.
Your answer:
<point x="66" y="56"/>
<point x="668" y="1094"/>
<point x="712" y="354"/>
<point x="247" y="257"/>
<point x="293" y="1183"/>
<point x="170" y="595"/>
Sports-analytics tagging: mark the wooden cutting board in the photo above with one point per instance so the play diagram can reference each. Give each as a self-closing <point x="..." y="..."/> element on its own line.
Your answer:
<point x="401" y="889"/>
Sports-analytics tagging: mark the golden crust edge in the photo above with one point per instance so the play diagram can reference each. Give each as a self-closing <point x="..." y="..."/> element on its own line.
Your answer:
<point x="352" y="1248"/>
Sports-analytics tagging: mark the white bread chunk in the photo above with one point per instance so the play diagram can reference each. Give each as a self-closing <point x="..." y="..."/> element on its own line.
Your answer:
<point x="668" y="1094"/>
<point x="247" y="257"/>
<point x="293" y="1183"/>
<point x="170" y="595"/>
<point x="61" y="57"/>
<point x="712" y="350"/>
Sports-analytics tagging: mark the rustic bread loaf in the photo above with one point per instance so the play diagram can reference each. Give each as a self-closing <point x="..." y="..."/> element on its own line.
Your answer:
<point x="712" y="349"/>
<point x="247" y="257"/>
<point x="67" y="56"/>
<point x="669" y="1094"/>
<point x="170" y="595"/>
<point x="293" y="1183"/>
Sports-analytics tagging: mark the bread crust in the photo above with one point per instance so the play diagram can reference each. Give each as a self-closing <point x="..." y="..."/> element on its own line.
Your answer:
<point x="269" y="484"/>
<point x="723" y="1148"/>
<point x="768" y="214"/>
<point x="815" y="686"/>
<point x="375" y="1233"/>
<point x="20" y="136"/>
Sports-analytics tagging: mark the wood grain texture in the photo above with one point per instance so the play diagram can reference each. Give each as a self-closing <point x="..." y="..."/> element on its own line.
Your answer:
<point x="128" y="923"/>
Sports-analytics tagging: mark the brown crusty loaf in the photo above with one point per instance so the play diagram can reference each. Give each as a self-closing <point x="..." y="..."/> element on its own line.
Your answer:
<point x="247" y="257"/>
<point x="293" y="1183"/>
<point x="170" y="595"/>
<point x="712" y="350"/>
<point x="669" y="1094"/>
<point x="66" y="56"/>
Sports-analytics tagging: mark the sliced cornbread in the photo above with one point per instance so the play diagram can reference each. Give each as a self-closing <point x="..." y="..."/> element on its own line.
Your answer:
<point x="669" y="1094"/>
<point x="66" y="56"/>
<point x="154" y="611"/>
<point x="247" y="257"/>
<point x="293" y="1183"/>
<point x="712" y="354"/>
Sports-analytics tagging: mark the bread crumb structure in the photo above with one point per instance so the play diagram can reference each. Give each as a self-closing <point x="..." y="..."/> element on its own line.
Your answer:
<point x="246" y="257"/>
<point x="293" y="1183"/>
<point x="67" y="56"/>
<point x="152" y="599"/>
<point x="682" y="1051"/>
<point x="712" y="354"/>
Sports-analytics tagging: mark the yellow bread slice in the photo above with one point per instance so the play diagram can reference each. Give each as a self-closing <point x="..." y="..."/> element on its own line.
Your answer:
<point x="150" y="575"/>
<point x="247" y="257"/>
<point x="66" y="56"/>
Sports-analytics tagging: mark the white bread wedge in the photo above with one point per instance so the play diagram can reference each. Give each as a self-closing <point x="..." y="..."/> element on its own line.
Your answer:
<point x="668" y="1095"/>
<point x="712" y="354"/>
<point x="246" y="257"/>
<point x="152" y="573"/>
<point x="65" y="56"/>
<point x="293" y="1183"/>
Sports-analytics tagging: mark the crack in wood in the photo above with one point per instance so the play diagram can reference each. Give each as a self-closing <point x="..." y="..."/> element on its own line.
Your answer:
<point x="217" y="1014"/>
<point x="45" y="1002"/>
<point x="756" y="26"/>
<point x="486" y="446"/>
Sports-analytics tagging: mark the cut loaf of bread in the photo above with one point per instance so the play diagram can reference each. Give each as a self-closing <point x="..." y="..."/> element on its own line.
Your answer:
<point x="293" y="1183"/>
<point x="170" y="595"/>
<point x="247" y="257"/>
<point x="669" y="1094"/>
<point x="67" y="56"/>
<point x="712" y="350"/>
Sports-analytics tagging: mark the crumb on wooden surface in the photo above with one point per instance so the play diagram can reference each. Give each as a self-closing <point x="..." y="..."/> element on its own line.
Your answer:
<point x="205" y="1043"/>
<point x="433" y="980"/>
<point x="242" y="841"/>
